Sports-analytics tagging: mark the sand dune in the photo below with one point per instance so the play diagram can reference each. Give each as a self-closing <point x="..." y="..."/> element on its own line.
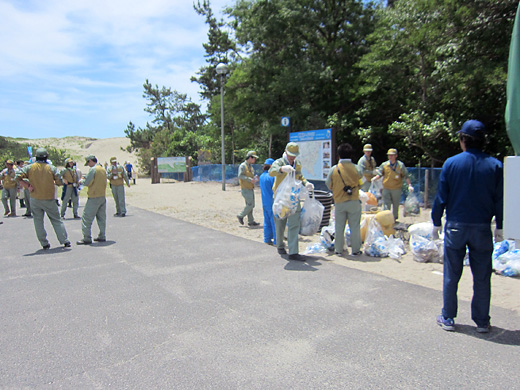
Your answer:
<point x="80" y="147"/>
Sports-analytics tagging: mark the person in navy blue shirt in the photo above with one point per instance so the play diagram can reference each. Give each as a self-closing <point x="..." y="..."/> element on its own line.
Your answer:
<point x="471" y="191"/>
<point x="266" y="188"/>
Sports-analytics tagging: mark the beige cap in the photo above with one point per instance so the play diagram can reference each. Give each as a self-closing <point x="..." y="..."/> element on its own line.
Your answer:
<point x="113" y="159"/>
<point x="251" y="153"/>
<point x="392" y="151"/>
<point x="292" y="149"/>
<point x="367" y="148"/>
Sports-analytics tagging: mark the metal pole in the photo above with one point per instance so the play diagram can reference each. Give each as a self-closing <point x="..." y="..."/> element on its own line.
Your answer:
<point x="222" y="133"/>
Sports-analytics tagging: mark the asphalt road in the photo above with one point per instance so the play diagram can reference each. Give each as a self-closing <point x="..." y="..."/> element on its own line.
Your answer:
<point x="166" y="304"/>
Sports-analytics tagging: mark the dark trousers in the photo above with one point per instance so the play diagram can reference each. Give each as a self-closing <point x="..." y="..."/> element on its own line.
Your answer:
<point x="478" y="239"/>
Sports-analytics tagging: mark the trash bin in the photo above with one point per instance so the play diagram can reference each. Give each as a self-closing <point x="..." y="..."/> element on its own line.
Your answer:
<point x="325" y="198"/>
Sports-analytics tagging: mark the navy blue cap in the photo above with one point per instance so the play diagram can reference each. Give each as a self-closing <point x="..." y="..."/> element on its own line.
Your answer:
<point x="269" y="161"/>
<point x="473" y="128"/>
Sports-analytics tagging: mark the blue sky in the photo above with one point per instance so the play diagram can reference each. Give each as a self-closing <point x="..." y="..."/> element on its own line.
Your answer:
<point x="77" y="67"/>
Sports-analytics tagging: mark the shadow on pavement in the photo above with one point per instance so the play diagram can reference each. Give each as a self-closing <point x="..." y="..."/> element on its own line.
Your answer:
<point x="496" y="335"/>
<point x="40" y="252"/>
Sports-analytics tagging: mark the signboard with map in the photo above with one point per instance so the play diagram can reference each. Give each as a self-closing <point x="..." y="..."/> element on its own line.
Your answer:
<point x="315" y="152"/>
<point x="171" y="164"/>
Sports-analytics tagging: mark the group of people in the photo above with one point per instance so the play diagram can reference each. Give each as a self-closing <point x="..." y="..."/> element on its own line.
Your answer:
<point x="39" y="180"/>
<point x="344" y="180"/>
<point x="470" y="191"/>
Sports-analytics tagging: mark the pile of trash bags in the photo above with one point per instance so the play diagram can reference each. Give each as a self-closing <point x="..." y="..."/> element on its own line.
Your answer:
<point x="424" y="248"/>
<point x="506" y="258"/>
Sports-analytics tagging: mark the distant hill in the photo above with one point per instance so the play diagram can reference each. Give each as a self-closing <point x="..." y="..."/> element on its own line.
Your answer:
<point x="80" y="147"/>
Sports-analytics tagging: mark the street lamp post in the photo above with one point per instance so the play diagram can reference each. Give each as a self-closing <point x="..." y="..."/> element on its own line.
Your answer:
<point x="222" y="69"/>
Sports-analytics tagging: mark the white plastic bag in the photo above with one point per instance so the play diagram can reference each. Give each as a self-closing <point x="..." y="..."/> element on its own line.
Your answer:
<point x="376" y="187"/>
<point x="411" y="205"/>
<point x="395" y="247"/>
<point x="327" y="237"/>
<point x="287" y="197"/>
<point x="423" y="229"/>
<point x="426" y="251"/>
<point x="311" y="216"/>
<point x="375" y="240"/>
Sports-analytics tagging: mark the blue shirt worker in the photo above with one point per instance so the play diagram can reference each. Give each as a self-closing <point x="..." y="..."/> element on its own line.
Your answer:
<point x="344" y="180"/>
<point x="96" y="206"/>
<point x="368" y="165"/>
<point x="471" y="191"/>
<point x="10" y="185"/>
<point x="266" y="189"/>
<point x="70" y="188"/>
<point x="247" y="179"/>
<point x="117" y="176"/>
<point x="42" y="178"/>
<point x="129" y="169"/>
<point x="279" y="170"/>
<point x="393" y="172"/>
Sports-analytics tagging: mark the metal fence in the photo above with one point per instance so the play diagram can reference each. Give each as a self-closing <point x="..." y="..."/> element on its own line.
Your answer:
<point x="424" y="180"/>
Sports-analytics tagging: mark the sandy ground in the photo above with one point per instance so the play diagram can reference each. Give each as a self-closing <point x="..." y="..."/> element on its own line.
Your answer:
<point x="207" y="205"/>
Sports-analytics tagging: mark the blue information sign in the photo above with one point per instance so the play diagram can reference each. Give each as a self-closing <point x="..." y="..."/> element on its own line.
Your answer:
<point x="315" y="152"/>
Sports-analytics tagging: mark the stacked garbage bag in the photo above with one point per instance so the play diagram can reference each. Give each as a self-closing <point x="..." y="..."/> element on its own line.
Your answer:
<point x="424" y="248"/>
<point x="377" y="244"/>
<point x="506" y="258"/>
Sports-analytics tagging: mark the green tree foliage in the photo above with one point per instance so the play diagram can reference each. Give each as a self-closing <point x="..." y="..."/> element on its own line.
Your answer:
<point x="175" y="129"/>
<point x="437" y="56"/>
<point x="301" y="58"/>
<point x="406" y="75"/>
<point x="12" y="150"/>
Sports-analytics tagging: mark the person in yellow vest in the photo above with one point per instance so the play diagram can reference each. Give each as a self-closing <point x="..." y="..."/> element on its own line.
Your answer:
<point x="9" y="189"/>
<point x="247" y="179"/>
<point x="393" y="172"/>
<point x="279" y="169"/>
<point x="344" y="180"/>
<point x="118" y="177"/>
<point x="368" y="166"/>
<point x="70" y="188"/>
<point x="96" y="206"/>
<point x="42" y="178"/>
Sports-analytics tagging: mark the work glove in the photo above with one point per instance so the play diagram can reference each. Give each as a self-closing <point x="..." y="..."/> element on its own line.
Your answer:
<point x="499" y="235"/>
<point x="410" y="189"/>
<point x="287" y="169"/>
<point x="435" y="234"/>
<point x="309" y="186"/>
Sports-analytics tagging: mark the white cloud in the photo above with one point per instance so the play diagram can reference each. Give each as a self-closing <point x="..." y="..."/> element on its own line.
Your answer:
<point x="87" y="60"/>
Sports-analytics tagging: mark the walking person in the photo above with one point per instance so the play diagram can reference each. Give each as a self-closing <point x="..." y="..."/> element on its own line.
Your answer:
<point x="26" y="195"/>
<point x="247" y="179"/>
<point x="42" y="178"/>
<point x="96" y="206"/>
<point x="471" y="191"/>
<point x="279" y="170"/>
<point x="117" y="176"/>
<point x="8" y="178"/>
<point x="367" y="164"/>
<point x="393" y="172"/>
<point x="344" y="180"/>
<point x="266" y="189"/>
<point x="70" y="188"/>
